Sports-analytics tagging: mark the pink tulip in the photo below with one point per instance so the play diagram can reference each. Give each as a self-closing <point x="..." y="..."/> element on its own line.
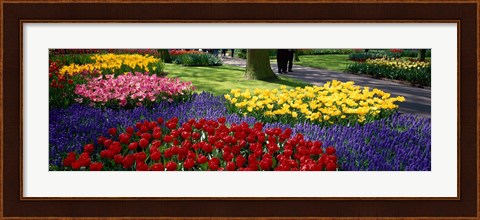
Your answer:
<point x="136" y="87"/>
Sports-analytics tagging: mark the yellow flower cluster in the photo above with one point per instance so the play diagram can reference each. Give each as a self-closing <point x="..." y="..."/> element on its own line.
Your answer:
<point x="73" y="69"/>
<point x="399" y="64"/>
<point x="334" y="102"/>
<point x="112" y="63"/>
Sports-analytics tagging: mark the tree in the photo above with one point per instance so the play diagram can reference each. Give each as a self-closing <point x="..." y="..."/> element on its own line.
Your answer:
<point x="258" y="65"/>
<point x="421" y="54"/>
<point x="165" y="55"/>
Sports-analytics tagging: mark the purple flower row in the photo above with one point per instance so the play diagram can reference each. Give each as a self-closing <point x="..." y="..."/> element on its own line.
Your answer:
<point x="400" y="142"/>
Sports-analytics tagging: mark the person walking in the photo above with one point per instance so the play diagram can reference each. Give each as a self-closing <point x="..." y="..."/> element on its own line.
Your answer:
<point x="282" y="60"/>
<point x="290" y="54"/>
<point x="233" y="52"/>
<point x="224" y="52"/>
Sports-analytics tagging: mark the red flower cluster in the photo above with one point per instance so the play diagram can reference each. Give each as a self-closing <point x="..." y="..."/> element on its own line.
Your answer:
<point x="396" y="50"/>
<point x="57" y="81"/>
<point x="53" y="71"/>
<point x="203" y="145"/>
<point x="83" y="160"/>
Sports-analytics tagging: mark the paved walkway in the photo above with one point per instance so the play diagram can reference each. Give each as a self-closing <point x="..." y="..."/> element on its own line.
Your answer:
<point x="418" y="100"/>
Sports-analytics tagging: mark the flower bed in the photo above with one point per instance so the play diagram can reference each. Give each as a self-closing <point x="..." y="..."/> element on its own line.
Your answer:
<point x="202" y="145"/>
<point x="399" y="142"/>
<point x="151" y="52"/>
<point x="61" y="87"/>
<point x="117" y="128"/>
<point x="116" y="64"/>
<point x="132" y="90"/>
<point x="67" y="73"/>
<point x="416" y="72"/>
<point x="333" y="103"/>
<point x="359" y="55"/>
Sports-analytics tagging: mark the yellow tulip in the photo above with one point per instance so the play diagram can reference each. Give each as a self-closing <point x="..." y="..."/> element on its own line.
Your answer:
<point x="318" y="103"/>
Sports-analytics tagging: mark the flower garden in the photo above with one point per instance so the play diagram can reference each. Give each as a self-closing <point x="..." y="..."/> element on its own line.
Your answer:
<point x="117" y="110"/>
<point x="394" y="64"/>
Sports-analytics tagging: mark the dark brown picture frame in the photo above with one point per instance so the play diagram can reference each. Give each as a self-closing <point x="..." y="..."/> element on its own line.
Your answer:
<point x="14" y="13"/>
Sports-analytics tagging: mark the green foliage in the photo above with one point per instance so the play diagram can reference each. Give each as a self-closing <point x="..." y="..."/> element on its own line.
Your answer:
<point x="323" y="51"/>
<point x="241" y="53"/>
<point x="68" y="59"/>
<point x="362" y="56"/>
<point x="61" y="91"/>
<point x="204" y="59"/>
<point x="409" y="53"/>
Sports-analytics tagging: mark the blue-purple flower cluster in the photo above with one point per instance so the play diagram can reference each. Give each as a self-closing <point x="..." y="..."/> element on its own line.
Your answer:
<point x="400" y="142"/>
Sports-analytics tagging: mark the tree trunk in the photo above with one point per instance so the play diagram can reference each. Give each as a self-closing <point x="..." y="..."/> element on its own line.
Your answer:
<point x="258" y="65"/>
<point x="421" y="54"/>
<point x="165" y="55"/>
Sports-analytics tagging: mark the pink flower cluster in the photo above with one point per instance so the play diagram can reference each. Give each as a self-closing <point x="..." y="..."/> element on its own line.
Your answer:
<point x="132" y="88"/>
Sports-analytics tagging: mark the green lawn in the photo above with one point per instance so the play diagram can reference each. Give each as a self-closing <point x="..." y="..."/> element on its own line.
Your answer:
<point x="335" y="62"/>
<point x="221" y="79"/>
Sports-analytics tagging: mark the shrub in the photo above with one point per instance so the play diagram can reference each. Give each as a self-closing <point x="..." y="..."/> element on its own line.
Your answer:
<point x="362" y="56"/>
<point x="242" y="53"/>
<point x="333" y="103"/>
<point x="197" y="59"/>
<point x="409" y="53"/>
<point x="415" y="72"/>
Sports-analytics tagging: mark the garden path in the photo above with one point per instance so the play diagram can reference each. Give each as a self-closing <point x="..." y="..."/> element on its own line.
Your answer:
<point x="418" y="100"/>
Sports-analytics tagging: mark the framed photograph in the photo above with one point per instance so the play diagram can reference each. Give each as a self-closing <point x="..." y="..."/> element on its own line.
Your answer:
<point x="313" y="110"/>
